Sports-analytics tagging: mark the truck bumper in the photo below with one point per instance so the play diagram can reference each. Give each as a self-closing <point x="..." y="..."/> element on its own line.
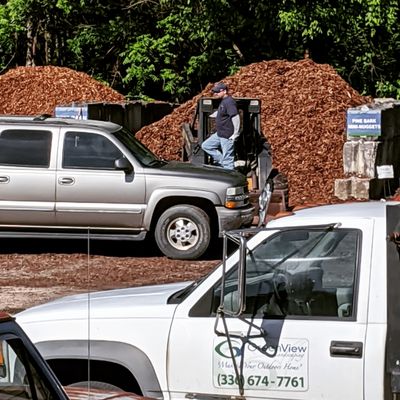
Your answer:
<point x="229" y="219"/>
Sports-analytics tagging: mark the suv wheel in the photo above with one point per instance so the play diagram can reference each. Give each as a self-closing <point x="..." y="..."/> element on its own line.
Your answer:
<point x="183" y="232"/>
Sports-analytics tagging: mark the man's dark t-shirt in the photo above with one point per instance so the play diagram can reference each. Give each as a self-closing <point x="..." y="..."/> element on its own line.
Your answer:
<point x="226" y="110"/>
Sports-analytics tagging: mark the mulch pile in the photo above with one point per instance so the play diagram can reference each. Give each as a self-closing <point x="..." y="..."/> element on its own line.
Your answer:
<point x="38" y="90"/>
<point x="304" y="108"/>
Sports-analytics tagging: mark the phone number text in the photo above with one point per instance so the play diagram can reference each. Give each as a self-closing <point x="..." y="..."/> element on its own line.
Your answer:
<point x="291" y="382"/>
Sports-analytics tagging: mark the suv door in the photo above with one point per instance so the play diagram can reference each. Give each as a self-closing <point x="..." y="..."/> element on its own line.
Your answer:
<point x="27" y="176"/>
<point x="302" y="334"/>
<point x="91" y="191"/>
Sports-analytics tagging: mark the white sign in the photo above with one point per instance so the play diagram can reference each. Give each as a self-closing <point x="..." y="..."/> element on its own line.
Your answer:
<point x="385" y="171"/>
<point x="287" y="370"/>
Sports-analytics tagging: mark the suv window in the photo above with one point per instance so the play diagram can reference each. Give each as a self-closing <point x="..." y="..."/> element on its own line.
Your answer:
<point x="86" y="150"/>
<point x="25" y="148"/>
<point x="299" y="273"/>
<point x="19" y="378"/>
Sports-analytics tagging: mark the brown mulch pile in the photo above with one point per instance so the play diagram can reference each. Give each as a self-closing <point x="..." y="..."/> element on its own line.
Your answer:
<point x="37" y="90"/>
<point x="304" y="108"/>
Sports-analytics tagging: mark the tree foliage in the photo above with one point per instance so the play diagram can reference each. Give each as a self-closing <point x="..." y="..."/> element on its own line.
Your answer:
<point x="170" y="49"/>
<point x="360" y="38"/>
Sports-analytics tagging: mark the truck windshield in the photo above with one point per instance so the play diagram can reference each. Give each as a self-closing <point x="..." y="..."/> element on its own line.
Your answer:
<point x="145" y="156"/>
<point x="299" y="272"/>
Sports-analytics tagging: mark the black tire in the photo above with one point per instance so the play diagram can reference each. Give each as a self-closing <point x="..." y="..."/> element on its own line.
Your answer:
<point x="96" y="385"/>
<point x="183" y="232"/>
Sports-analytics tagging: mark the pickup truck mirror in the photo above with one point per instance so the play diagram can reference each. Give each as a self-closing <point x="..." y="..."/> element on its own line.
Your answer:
<point x="238" y="305"/>
<point x="124" y="165"/>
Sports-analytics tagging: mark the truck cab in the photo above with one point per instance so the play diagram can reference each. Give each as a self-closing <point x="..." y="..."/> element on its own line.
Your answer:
<point x="305" y="308"/>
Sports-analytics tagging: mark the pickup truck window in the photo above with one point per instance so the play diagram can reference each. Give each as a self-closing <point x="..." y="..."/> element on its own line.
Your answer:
<point x="86" y="150"/>
<point x="19" y="379"/>
<point x="25" y="148"/>
<point x="299" y="273"/>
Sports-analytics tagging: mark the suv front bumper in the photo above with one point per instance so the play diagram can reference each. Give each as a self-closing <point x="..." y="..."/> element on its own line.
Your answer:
<point x="229" y="219"/>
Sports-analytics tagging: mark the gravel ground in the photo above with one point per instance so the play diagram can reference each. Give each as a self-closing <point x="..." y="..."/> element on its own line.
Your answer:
<point x="36" y="271"/>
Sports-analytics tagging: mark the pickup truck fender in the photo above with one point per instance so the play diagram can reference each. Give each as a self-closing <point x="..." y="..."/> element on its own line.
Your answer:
<point x="168" y="194"/>
<point x="128" y="356"/>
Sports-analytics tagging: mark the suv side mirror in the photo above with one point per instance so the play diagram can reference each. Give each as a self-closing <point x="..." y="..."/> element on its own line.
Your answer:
<point x="124" y="165"/>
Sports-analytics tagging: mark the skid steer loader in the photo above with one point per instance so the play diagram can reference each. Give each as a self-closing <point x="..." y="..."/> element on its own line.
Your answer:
<point x="253" y="156"/>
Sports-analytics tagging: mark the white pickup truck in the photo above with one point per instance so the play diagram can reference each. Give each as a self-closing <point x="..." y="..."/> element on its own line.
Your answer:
<point x="304" y="309"/>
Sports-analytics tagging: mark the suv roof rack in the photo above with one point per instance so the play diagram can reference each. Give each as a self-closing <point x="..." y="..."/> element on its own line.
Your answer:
<point x="42" y="117"/>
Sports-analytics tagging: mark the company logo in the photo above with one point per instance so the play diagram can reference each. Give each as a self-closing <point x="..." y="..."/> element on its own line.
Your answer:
<point x="223" y="349"/>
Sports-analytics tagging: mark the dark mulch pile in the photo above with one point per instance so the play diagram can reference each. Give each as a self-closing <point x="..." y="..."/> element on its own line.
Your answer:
<point x="304" y="108"/>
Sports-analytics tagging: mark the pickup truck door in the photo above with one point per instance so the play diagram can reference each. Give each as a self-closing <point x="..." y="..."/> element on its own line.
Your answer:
<point x="91" y="192"/>
<point x="304" y="329"/>
<point x="27" y="176"/>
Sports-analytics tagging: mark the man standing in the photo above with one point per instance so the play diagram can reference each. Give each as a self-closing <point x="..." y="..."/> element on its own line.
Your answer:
<point x="220" y="145"/>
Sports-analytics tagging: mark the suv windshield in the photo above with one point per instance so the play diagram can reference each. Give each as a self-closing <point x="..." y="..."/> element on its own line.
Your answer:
<point x="145" y="156"/>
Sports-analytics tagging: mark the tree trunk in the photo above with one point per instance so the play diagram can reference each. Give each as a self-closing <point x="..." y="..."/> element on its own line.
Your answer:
<point x="47" y="47"/>
<point x="30" y="44"/>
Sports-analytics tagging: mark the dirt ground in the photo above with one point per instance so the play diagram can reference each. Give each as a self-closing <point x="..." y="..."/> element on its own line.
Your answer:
<point x="36" y="271"/>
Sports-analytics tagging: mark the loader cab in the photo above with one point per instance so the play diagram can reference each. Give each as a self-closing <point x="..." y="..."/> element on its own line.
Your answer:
<point x="252" y="151"/>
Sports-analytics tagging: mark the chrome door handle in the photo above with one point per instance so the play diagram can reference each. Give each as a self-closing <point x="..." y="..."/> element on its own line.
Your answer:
<point x="346" y="349"/>
<point x="4" y="179"/>
<point x="66" y="181"/>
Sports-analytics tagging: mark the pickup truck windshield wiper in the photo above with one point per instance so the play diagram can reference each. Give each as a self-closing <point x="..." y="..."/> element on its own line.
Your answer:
<point x="156" y="163"/>
<point x="181" y="295"/>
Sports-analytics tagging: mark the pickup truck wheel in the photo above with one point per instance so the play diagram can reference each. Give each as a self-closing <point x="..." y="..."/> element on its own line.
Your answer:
<point x="183" y="232"/>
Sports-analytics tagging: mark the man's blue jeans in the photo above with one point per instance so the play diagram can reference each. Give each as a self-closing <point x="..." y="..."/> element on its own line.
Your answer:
<point x="221" y="150"/>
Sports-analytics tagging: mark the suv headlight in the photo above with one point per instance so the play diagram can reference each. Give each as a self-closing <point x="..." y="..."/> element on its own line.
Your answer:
<point x="236" y="197"/>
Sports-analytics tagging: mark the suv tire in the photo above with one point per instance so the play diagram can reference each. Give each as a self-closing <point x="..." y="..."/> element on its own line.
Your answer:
<point x="183" y="232"/>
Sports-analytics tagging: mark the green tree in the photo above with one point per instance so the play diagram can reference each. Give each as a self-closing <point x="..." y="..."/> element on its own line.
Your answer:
<point x="170" y="49"/>
<point x="32" y="31"/>
<point x="360" y="38"/>
<point x="86" y="35"/>
<point x="186" y="44"/>
<point x="101" y="33"/>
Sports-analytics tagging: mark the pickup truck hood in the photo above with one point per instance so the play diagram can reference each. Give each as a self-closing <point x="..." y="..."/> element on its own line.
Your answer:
<point x="149" y="301"/>
<point x="185" y="169"/>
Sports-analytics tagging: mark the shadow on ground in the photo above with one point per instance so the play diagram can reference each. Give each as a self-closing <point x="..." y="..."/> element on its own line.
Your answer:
<point x="111" y="248"/>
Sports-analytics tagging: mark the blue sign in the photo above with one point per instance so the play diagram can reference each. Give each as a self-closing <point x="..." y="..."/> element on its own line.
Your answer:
<point x="75" y="112"/>
<point x="363" y="123"/>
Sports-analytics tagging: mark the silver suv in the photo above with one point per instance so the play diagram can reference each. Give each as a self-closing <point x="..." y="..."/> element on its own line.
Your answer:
<point x="69" y="178"/>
